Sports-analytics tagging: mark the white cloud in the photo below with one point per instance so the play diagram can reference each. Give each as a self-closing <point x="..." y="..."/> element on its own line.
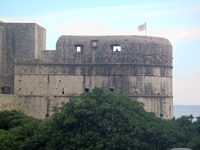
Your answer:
<point x="85" y="27"/>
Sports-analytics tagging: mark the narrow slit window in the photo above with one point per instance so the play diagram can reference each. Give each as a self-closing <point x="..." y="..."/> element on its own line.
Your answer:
<point x="112" y="89"/>
<point x="87" y="90"/>
<point x="63" y="91"/>
<point x="116" y="48"/>
<point x="78" y="48"/>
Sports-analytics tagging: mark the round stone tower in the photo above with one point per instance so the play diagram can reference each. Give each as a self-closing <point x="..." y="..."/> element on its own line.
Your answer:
<point x="139" y="66"/>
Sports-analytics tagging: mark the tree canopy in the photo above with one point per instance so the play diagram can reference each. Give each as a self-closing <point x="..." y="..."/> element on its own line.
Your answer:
<point x="98" y="120"/>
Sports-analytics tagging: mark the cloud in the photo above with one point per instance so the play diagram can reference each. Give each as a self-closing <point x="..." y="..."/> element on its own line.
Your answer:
<point x="83" y="27"/>
<point x="9" y="20"/>
<point x="190" y="33"/>
<point x="86" y="27"/>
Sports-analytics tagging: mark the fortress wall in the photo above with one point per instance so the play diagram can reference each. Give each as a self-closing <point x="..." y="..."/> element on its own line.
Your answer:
<point x="19" y="41"/>
<point x="32" y="66"/>
<point x="33" y="106"/>
<point x="42" y="85"/>
<point x="8" y="102"/>
<point x="40" y="40"/>
<point x="55" y="83"/>
<point x="51" y="56"/>
<point x="158" y="105"/>
<point x="2" y="50"/>
<point x="142" y="69"/>
<point x="39" y="106"/>
<point x="133" y="80"/>
<point x="134" y="49"/>
<point x="6" y="79"/>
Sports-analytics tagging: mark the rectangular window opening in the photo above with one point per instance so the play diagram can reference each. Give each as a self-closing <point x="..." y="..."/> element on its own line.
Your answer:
<point x="78" y="48"/>
<point x="87" y="90"/>
<point x="116" y="48"/>
<point x="94" y="43"/>
<point x="112" y="89"/>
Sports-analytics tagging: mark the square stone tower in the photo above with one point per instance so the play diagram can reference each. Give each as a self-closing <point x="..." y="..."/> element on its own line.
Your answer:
<point x="18" y="40"/>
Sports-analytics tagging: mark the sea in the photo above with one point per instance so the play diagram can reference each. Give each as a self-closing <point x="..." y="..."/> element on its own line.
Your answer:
<point x="187" y="110"/>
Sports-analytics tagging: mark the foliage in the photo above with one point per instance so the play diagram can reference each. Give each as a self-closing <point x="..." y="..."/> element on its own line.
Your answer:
<point x="98" y="120"/>
<point x="19" y="131"/>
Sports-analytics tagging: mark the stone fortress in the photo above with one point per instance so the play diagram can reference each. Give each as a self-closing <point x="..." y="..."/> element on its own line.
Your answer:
<point x="32" y="79"/>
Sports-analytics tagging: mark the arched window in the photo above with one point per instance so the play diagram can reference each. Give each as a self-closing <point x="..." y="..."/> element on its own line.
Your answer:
<point x="5" y="90"/>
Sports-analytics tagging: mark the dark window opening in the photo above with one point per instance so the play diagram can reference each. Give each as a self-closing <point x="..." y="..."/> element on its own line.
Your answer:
<point x="19" y="88"/>
<point x="20" y="80"/>
<point x="86" y="90"/>
<point x="116" y="48"/>
<point x="63" y="91"/>
<point x="59" y="80"/>
<point x="112" y="89"/>
<point x="158" y="93"/>
<point x="5" y="90"/>
<point x="47" y="115"/>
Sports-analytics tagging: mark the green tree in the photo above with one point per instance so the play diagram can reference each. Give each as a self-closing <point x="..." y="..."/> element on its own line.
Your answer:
<point x="22" y="132"/>
<point x="100" y="120"/>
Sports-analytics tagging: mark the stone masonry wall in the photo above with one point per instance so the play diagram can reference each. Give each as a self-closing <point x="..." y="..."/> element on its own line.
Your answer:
<point x="18" y="40"/>
<point x="54" y="81"/>
<point x="8" y="102"/>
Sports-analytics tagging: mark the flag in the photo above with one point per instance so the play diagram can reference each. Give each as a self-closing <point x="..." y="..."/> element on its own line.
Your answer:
<point x="142" y="27"/>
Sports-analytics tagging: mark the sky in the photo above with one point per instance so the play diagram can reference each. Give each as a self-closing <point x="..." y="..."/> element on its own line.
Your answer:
<point x="176" y="20"/>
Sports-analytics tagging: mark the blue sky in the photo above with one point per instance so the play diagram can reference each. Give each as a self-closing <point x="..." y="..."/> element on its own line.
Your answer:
<point x="176" y="20"/>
